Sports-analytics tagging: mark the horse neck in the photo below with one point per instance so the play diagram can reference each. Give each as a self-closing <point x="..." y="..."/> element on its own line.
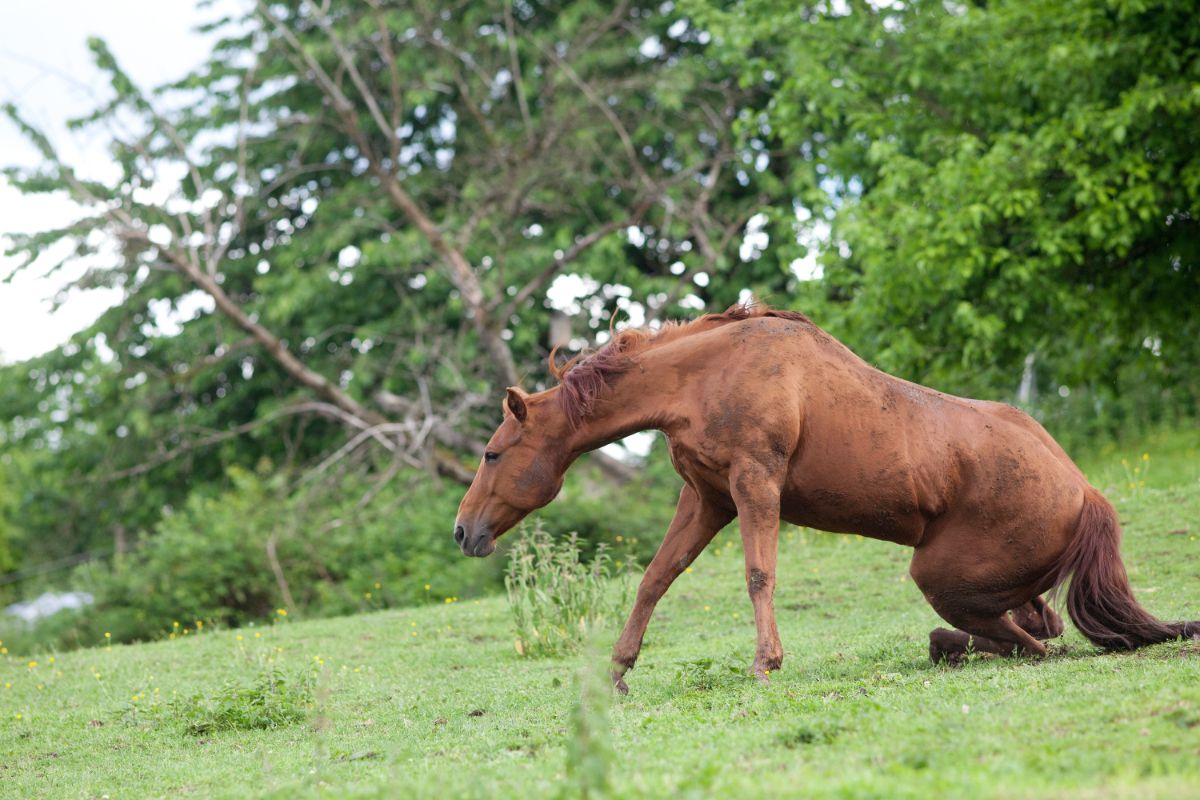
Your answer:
<point x="636" y="400"/>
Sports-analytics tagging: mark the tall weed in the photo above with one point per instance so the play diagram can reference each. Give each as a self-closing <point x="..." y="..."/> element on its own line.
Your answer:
<point x="589" y="754"/>
<point x="271" y="699"/>
<point x="556" y="599"/>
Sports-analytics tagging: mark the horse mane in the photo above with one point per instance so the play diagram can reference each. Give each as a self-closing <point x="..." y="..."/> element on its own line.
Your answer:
<point x="582" y="378"/>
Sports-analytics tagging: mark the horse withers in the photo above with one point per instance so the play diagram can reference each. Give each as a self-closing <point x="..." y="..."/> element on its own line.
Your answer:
<point x="768" y="417"/>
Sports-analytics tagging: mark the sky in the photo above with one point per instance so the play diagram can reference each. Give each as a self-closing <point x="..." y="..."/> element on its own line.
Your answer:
<point x="46" y="70"/>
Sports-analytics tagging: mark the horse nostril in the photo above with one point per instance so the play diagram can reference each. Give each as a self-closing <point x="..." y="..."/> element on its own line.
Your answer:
<point x="459" y="535"/>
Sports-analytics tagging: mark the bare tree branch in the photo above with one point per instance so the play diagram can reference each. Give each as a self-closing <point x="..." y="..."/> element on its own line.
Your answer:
<point x="460" y="271"/>
<point x="572" y="253"/>
<point x="515" y="66"/>
<point x="221" y="436"/>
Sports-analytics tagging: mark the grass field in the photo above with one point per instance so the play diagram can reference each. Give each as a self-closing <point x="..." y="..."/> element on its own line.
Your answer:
<point x="435" y="702"/>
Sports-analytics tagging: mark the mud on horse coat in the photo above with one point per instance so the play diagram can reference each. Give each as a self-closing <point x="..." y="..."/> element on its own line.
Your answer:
<point x="768" y="417"/>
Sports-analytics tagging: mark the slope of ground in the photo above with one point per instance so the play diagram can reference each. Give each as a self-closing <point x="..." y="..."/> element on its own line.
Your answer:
<point x="436" y="702"/>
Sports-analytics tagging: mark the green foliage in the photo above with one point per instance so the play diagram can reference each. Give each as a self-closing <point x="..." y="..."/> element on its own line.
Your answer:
<point x="346" y="544"/>
<point x="207" y="562"/>
<point x="646" y="505"/>
<point x="706" y="674"/>
<point x="984" y="182"/>
<point x="240" y="556"/>
<point x="267" y="698"/>
<point x="589" y="747"/>
<point x="1001" y="179"/>
<point x="9" y="524"/>
<point x="556" y="599"/>
<point x="270" y="699"/>
<point x="533" y="140"/>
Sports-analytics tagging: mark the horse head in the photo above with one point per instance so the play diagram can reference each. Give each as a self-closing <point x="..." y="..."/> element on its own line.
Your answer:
<point x="521" y="471"/>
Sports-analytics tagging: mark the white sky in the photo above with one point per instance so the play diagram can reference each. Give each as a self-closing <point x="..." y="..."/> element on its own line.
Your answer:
<point x="46" y="70"/>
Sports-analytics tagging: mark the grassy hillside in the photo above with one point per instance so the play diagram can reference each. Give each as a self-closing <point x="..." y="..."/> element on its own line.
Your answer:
<point x="436" y="702"/>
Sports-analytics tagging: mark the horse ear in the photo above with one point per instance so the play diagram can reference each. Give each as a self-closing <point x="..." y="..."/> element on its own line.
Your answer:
<point x="515" y="402"/>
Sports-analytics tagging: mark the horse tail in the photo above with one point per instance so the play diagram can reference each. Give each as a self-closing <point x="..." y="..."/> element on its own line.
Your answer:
<point x="1100" y="599"/>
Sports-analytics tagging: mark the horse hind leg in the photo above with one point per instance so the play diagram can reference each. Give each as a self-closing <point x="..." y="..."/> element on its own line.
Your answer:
<point x="1036" y="618"/>
<point x="999" y="635"/>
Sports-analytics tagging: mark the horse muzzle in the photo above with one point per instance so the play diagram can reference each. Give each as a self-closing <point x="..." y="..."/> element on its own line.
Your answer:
<point x="477" y="544"/>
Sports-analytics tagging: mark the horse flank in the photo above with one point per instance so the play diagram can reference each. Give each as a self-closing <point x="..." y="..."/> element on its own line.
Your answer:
<point x="584" y="377"/>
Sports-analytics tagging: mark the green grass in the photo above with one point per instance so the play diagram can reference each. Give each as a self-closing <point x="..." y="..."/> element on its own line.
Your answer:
<point x="435" y="702"/>
<point x="1169" y="457"/>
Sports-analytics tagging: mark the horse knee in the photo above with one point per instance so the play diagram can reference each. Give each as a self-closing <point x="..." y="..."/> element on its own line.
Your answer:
<point x="758" y="581"/>
<point x="1038" y="620"/>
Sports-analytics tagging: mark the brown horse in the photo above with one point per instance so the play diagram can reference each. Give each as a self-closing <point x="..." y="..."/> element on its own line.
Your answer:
<point x="769" y="417"/>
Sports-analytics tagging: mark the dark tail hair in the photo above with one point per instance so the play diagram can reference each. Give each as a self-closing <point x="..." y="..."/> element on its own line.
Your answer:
<point x="1100" y="600"/>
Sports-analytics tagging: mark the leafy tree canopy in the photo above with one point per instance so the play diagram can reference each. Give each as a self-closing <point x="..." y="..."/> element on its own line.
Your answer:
<point x="1000" y="178"/>
<point x="340" y="232"/>
<point x="338" y="239"/>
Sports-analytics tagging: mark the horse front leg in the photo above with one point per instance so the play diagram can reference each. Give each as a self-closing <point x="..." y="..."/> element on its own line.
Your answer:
<point x="696" y="522"/>
<point x="756" y="494"/>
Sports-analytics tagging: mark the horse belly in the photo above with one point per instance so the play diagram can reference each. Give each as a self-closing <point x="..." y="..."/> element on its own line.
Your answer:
<point x="892" y="516"/>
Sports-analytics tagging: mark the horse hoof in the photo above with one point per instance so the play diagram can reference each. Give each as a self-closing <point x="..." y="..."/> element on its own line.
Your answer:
<point x="944" y="647"/>
<point x="619" y="684"/>
<point x="951" y="658"/>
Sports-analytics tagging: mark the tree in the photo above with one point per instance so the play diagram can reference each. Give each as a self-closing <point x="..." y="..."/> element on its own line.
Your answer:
<point x="342" y="229"/>
<point x="1001" y="179"/>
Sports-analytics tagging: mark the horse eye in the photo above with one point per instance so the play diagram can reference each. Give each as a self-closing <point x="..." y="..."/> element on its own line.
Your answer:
<point x="489" y="456"/>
